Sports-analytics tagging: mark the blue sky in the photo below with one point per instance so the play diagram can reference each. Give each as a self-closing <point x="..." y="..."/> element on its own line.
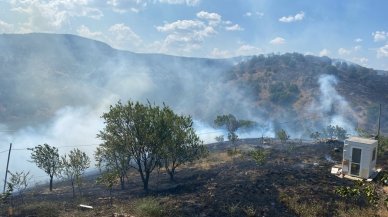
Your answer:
<point x="356" y="31"/>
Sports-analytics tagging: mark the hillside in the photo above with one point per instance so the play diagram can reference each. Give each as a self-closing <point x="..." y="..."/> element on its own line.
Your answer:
<point x="44" y="73"/>
<point x="314" y="89"/>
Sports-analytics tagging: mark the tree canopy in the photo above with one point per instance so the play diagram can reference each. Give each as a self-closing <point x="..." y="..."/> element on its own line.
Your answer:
<point x="232" y="124"/>
<point x="74" y="165"/>
<point x="46" y="157"/>
<point x="146" y="136"/>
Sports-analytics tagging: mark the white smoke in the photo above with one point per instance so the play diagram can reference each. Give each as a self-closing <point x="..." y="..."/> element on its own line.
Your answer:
<point x="331" y="108"/>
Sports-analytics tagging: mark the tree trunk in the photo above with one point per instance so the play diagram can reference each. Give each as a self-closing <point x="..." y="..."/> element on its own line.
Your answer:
<point x="72" y="185"/>
<point x="110" y="197"/>
<point x="171" y="173"/>
<point x="147" y="177"/>
<point x="122" y="182"/>
<point x="51" y="183"/>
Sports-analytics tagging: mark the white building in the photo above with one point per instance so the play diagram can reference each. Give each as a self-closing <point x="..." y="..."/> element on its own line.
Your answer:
<point x="359" y="157"/>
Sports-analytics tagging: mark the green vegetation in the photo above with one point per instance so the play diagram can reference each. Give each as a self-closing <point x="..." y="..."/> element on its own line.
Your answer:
<point x="149" y="207"/>
<point x="149" y="136"/>
<point x="361" y="191"/>
<point x="5" y="195"/>
<point x="46" y="157"/>
<point x="19" y="182"/>
<point x="335" y="132"/>
<point x="232" y="124"/>
<point x="74" y="165"/>
<point x="283" y="93"/>
<point x="383" y="145"/>
<point x="108" y="179"/>
<point x="181" y="145"/>
<point x="282" y="135"/>
<point x="259" y="156"/>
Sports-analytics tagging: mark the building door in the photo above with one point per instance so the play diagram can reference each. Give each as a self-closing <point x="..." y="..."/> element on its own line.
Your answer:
<point x="356" y="161"/>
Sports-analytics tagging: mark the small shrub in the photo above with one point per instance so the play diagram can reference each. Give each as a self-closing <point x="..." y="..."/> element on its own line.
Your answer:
<point x="359" y="191"/>
<point x="259" y="156"/>
<point x="148" y="207"/>
<point x="249" y="211"/>
<point x="282" y="135"/>
<point x="233" y="209"/>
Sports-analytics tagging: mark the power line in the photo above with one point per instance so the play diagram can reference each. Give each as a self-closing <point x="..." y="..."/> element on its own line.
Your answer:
<point x="66" y="146"/>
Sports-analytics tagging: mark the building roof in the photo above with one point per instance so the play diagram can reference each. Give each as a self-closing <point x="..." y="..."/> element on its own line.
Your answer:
<point x="361" y="140"/>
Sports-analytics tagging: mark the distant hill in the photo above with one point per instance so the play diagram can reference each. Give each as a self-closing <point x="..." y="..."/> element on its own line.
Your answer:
<point x="310" y="87"/>
<point x="44" y="73"/>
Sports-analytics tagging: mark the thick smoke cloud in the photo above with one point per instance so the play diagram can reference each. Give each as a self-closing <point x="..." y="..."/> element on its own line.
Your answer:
<point x="61" y="87"/>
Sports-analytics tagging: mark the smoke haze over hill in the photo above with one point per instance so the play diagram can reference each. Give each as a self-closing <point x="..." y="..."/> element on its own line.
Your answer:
<point x="54" y="88"/>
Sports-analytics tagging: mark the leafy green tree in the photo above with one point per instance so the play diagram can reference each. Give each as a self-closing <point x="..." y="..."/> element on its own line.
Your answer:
<point x="282" y="135"/>
<point x="46" y="157"/>
<point x="232" y="124"/>
<point x="20" y="181"/>
<point x="74" y="165"/>
<point x="181" y="144"/>
<point x="136" y="131"/>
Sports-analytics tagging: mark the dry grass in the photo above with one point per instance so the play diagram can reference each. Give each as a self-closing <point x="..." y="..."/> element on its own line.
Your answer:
<point x="306" y="208"/>
<point x="214" y="159"/>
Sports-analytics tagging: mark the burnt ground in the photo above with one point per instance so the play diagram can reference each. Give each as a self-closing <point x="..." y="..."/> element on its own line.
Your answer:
<point x="294" y="181"/>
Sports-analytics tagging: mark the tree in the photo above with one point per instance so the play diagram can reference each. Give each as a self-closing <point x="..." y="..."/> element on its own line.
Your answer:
<point x="383" y="145"/>
<point x="108" y="179"/>
<point x="232" y="124"/>
<point x="74" y="165"/>
<point x="47" y="158"/>
<point x="282" y="135"/>
<point x="19" y="181"/>
<point x="315" y="135"/>
<point x="340" y="133"/>
<point x="136" y="131"/>
<point x="362" y="133"/>
<point x="219" y="138"/>
<point x="114" y="156"/>
<point x="181" y="145"/>
<point x="329" y="132"/>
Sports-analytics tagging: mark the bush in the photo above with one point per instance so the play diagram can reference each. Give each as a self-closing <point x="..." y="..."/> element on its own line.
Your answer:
<point x="259" y="155"/>
<point x="148" y="207"/>
<point x="360" y="191"/>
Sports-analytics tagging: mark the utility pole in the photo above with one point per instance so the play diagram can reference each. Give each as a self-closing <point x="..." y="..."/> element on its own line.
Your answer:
<point x="6" y="170"/>
<point x="378" y="128"/>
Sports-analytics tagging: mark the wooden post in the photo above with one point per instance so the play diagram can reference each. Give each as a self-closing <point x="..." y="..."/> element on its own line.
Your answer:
<point x="6" y="170"/>
<point x="378" y="128"/>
